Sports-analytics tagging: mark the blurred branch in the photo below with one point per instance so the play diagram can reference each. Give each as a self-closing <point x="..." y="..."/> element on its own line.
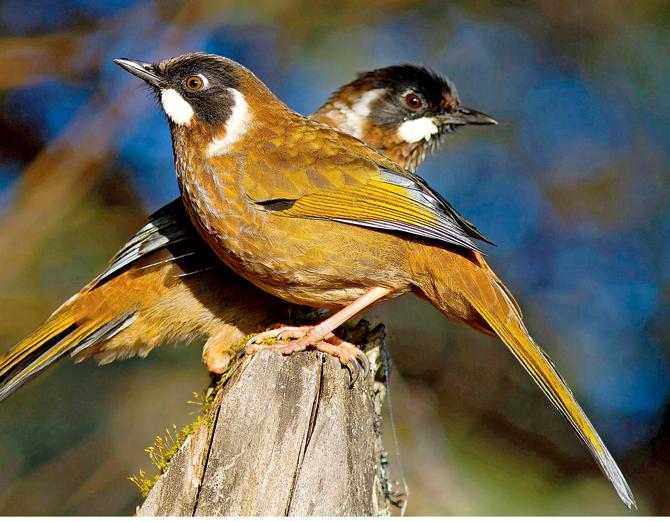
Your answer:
<point x="29" y="59"/>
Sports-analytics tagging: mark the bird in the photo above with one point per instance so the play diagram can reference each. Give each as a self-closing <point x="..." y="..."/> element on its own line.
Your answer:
<point x="316" y="217"/>
<point x="166" y="284"/>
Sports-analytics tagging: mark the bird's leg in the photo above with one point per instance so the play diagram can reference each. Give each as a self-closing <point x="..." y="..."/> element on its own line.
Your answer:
<point x="321" y="337"/>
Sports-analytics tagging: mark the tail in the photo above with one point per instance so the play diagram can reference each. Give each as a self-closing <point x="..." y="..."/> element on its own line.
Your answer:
<point x="61" y="334"/>
<point x="473" y="283"/>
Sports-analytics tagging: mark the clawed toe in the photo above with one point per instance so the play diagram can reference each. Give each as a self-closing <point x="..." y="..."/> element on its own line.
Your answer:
<point x="280" y="333"/>
<point x="354" y="371"/>
<point x="350" y="356"/>
<point x="364" y="361"/>
<point x="361" y="362"/>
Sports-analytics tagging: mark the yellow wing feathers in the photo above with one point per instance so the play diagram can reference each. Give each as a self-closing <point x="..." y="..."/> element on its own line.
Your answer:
<point x="50" y="331"/>
<point x="376" y="198"/>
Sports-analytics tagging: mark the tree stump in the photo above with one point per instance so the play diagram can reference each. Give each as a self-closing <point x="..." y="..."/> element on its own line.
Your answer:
<point x="285" y="436"/>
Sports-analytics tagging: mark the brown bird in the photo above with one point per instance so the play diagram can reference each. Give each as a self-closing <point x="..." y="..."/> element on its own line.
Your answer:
<point x="316" y="217"/>
<point x="167" y="285"/>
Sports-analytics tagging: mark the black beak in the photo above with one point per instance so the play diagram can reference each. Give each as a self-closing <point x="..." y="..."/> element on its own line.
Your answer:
<point x="465" y="116"/>
<point x="143" y="70"/>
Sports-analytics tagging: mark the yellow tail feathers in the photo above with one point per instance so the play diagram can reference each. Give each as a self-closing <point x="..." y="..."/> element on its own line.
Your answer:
<point x="35" y="352"/>
<point x="460" y="280"/>
<point x="513" y="333"/>
<point x="61" y="334"/>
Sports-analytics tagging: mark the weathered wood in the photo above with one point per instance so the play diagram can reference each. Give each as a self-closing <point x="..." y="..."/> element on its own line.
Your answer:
<point x="176" y="492"/>
<point x="288" y="436"/>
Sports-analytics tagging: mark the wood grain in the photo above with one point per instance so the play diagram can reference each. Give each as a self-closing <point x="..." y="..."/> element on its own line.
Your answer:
<point x="288" y="436"/>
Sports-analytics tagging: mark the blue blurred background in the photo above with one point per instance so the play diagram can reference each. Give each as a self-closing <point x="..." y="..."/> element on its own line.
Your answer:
<point x="572" y="185"/>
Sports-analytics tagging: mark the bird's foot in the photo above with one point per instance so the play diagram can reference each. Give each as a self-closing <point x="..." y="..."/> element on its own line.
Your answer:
<point x="348" y="354"/>
<point x="278" y="333"/>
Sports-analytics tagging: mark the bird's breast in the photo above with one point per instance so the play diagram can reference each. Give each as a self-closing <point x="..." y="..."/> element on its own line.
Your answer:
<point x="317" y="262"/>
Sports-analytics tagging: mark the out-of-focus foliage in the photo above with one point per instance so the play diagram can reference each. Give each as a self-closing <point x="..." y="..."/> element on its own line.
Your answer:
<point x="572" y="185"/>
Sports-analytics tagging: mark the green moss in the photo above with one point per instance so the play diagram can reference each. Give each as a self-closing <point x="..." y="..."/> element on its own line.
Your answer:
<point x="165" y="447"/>
<point x="163" y="450"/>
<point x="145" y="483"/>
<point x="243" y="342"/>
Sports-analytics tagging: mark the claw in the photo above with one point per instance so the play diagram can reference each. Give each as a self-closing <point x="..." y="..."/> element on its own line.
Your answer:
<point x="354" y="371"/>
<point x="250" y="349"/>
<point x="364" y="361"/>
<point x="348" y="354"/>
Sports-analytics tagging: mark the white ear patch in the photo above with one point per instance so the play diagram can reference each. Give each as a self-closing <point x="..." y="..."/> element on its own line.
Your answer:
<point x="412" y="131"/>
<point x="236" y="126"/>
<point x="356" y="116"/>
<point x="176" y="107"/>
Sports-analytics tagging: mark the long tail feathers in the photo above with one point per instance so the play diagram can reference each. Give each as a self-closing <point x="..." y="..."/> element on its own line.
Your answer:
<point x="494" y="305"/>
<point x="458" y="283"/>
<point x="58" y="336"/>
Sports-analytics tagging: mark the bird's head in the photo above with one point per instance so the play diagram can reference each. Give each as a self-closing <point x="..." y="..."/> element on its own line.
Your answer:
<point x="205" y="95"/>
<point x="404" y="111"/>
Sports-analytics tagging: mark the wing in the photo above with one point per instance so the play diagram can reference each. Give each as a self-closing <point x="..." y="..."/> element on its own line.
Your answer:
<point x="464" y="223"/>
<point x="168" y="228"/>
<point x="364" y="189"/>
<point x="389" y="202"/>
<point x="333" y="176"/>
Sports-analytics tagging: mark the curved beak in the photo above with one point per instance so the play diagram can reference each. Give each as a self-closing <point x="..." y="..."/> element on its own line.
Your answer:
<point x="145" y="71"/>
<point x="465" y="116"/>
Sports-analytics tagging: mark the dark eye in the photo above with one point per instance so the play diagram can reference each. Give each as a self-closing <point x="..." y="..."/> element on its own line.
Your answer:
<point x="195" y="83"/>
<point x="413" y="101"/>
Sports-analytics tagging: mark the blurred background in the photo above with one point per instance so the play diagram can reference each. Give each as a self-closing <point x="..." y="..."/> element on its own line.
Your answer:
<point x="572" y="185"/>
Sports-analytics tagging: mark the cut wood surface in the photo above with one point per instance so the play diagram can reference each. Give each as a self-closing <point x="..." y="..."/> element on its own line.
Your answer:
<point x="286" y="436"/>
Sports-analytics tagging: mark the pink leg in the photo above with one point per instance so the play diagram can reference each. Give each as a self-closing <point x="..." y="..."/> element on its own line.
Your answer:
<point x="325" y="327"/>
<point x="321" y="336"/>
